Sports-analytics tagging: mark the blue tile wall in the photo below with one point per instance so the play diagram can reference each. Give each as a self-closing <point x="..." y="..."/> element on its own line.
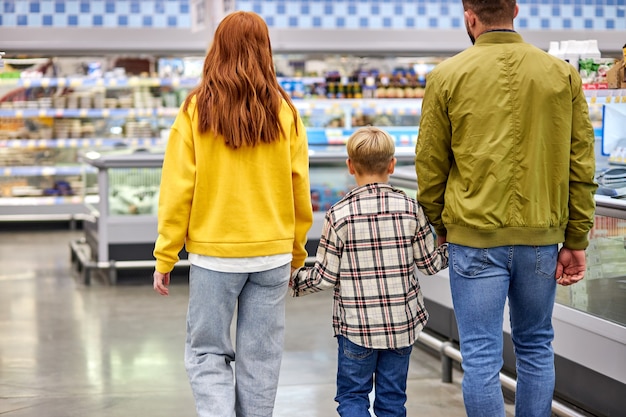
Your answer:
<point x="96" y="13"/>
<point x="433" y="14"/>
<point x="328" y="14"/>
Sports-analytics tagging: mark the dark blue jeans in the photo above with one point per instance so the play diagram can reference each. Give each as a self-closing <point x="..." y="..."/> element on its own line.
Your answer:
<point x="360" y="369"/>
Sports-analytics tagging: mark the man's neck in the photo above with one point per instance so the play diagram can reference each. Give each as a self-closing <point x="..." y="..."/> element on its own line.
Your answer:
<point x="499" y="28"/>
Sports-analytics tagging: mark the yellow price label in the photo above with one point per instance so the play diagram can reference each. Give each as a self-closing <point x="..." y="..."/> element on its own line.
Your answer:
<point x="61" y="82"/>
<point x="45" y="82"/>
<point x="83" y="113"/>
<point x="43" y="113"/>
<point x="105" y="112"/>
<point x="26" y="82"/>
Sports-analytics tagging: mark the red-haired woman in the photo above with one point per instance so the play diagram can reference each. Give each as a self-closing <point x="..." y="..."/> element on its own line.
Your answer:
<point x="235" y="192"/>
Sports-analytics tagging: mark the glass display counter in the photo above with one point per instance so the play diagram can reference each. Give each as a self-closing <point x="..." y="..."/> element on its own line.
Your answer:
<point x="589" y="318"/>
<point x="121" y="227"/>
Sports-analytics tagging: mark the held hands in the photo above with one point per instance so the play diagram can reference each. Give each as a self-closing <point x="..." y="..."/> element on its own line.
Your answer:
<point x="570" y="266"/>
<point x="161" y="281"/>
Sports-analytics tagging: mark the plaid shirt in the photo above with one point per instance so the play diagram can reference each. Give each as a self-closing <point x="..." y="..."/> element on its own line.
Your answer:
<point x="372" y="241"/>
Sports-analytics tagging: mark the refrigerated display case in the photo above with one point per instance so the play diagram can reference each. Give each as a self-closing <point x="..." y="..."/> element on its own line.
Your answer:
<point x="121" y="226"/>
<point x="589" y="318"/>
<point x="45" y="122"/>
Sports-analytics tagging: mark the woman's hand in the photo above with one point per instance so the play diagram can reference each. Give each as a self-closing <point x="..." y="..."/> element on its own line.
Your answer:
<point x="161" y="281"/>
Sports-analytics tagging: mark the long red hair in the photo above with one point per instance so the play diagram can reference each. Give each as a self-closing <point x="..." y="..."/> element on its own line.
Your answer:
<point x="239" y="97"/>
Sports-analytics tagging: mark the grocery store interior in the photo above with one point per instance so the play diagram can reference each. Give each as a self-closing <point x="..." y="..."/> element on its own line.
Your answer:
<point x="88" y="91"/>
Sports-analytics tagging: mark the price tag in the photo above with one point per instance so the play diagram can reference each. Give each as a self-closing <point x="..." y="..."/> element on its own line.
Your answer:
<point x="45" y="82"/>
<point x="26" y="82"/>
<point x="83" y="112"/>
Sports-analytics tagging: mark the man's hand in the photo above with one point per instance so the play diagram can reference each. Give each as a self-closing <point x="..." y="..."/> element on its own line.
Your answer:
<point x="570" y="266"/>
<point x="161" y="281"/>
<point x="441" y="240"/>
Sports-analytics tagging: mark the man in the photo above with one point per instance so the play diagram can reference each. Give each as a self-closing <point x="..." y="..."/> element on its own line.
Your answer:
<point x="505" y="171"/>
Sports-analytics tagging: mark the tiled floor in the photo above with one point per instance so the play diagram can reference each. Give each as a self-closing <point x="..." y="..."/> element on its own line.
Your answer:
<point x="70" y="350"/>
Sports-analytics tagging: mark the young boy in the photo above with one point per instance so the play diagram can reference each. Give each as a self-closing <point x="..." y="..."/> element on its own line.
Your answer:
<point x="372" y="241"/>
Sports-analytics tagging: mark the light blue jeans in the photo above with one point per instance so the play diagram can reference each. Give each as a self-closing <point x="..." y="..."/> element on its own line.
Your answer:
<point x="480" y="281"/>
<point x="260" y="301"/>
<point x="360" y="368"/>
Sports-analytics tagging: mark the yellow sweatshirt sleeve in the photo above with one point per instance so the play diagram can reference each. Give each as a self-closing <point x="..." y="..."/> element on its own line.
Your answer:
<point x="176" y="192"/>
<point x="301" y="192"/>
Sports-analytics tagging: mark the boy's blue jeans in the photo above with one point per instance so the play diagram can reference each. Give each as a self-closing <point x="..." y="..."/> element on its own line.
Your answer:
<point x="481" y="280"/>
<point x="360" y="369"/>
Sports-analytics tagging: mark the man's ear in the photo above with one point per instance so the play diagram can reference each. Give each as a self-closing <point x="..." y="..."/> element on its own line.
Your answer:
<point x="470" y="18"/>
<point x="516" y="10"/>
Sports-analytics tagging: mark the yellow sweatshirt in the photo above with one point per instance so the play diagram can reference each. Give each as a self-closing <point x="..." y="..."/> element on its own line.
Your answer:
<point x="233" y="203"/>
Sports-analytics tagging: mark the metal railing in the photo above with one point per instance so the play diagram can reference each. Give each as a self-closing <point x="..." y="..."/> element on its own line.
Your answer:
<point x="450" y="354"/>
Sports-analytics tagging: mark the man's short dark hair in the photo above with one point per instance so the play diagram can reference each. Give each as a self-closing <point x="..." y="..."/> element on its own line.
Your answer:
<point x="492" y="12"/>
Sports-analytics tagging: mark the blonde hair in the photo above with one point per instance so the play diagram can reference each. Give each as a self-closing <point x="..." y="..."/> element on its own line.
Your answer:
<point x="371" y="150"/>
<point x="239" y="96"/>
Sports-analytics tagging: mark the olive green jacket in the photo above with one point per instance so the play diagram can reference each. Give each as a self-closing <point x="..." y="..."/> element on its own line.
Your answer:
<point x="505" y="153"/>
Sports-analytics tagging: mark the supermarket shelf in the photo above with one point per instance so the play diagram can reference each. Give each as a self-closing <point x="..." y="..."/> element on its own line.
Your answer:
<point x="99" y="82"/>
<point x="43" y="171"/>
<point x="95" y="113"/>
<point x="305" y="106"/>
<point x="403" y="136"/>
<point x="124" y="82"/>
<point x="606" y="95"/>
<point x="78" y="143"/>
